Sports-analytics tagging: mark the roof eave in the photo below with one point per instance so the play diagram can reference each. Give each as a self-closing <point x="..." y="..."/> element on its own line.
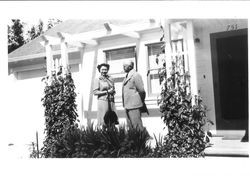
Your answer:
<point x="37" y="56"/>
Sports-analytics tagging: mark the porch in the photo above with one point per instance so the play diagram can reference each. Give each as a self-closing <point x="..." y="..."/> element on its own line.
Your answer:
<point x="228" y="144"/>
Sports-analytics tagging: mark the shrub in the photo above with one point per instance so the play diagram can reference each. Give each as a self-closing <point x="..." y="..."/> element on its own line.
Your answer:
<point x="186" y="135"/>
<point x="184" y="119"/>
<point x="60" y="108"/>
<point x="110" y="142"/>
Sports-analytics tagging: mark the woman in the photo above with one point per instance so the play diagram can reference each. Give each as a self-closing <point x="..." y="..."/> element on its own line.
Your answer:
<point x="104" y="88"/>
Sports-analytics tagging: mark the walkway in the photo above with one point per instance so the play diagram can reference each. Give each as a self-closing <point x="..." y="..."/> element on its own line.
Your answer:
<point x="229" y="145"/>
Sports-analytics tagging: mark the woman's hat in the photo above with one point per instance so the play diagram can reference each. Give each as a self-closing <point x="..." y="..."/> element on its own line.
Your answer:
<point x="103" y="64"/>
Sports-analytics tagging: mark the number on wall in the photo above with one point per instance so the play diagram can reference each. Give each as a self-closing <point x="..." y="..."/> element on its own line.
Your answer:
<point x="231" y="27"/>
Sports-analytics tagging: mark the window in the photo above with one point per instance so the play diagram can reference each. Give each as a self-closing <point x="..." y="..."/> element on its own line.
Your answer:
<point x="153" y="78"/>
<point x="115" y="59"/>
<point x="154" y="49"/>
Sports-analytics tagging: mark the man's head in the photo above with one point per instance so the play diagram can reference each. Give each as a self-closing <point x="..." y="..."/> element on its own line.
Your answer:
<point x="128" y="65"/>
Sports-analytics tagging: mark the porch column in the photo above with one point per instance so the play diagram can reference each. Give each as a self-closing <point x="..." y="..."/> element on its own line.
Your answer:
<point x="64" y="55"/>
<point x="192" y="59"/>
<point x="49" y="58"/>
<point x="93" y="75"/>
<point x="138" y="42"/>
<point x="168" y="51"/>
<point x="83" y="120"/>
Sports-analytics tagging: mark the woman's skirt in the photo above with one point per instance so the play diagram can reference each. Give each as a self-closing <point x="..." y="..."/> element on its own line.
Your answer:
<point x="102" y="108"/>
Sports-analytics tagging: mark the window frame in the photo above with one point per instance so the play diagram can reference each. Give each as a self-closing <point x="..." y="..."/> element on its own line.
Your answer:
<point x="149" y="86"/>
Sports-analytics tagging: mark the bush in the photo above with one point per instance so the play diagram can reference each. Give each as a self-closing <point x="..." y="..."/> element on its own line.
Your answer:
<point x="183" y="113"/>
<point x="110" y="142"/>
<point x="186" y="135"/>
<point x="60" y="108"/>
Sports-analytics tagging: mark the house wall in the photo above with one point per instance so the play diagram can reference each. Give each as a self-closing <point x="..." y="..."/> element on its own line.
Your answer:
<point x="27" y="117"/>
<point x="24" y="112"/>
<point x="202" y="30"/>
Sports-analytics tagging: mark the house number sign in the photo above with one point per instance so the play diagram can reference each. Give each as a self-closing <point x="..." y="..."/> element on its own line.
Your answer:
<point x="231" y="27"/>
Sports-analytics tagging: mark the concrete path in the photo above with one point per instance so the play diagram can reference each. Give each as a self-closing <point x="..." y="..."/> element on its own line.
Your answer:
<point x="227" y="148"/>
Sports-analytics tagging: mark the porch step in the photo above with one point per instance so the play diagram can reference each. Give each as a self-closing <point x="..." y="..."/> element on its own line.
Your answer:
<point x="230" y="134"/>
<point x="222" y="147"/>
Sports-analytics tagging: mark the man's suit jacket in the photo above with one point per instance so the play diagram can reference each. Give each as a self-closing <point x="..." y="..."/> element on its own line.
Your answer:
<point x="133" y="93"/>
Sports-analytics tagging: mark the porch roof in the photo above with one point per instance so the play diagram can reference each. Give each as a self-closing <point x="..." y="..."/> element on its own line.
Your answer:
<point x="34" y="49"/>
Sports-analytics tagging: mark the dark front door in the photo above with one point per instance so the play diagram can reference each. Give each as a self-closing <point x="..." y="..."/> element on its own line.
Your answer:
<point x="230" y="73"/>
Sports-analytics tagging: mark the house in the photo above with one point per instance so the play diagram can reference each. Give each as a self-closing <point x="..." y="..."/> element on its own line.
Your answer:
<point x="214" y="51"/>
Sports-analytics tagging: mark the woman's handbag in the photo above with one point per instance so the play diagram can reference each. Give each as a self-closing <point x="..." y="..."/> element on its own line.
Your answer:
<point x="144" y="109"/>
<point x="110" y="117"/>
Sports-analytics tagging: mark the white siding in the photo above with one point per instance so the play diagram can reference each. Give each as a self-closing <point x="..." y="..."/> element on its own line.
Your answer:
<point x="202" y="30"/>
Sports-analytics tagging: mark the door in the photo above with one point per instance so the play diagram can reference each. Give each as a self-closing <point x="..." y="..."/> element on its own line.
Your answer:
<point x="230" y="73"/>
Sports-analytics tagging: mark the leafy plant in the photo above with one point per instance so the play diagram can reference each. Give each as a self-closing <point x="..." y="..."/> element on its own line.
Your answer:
<point x="183" y="114"/>
<point x="109" y="142"/>
<point x="60" y="108"/>
<point x="34" y="153"/>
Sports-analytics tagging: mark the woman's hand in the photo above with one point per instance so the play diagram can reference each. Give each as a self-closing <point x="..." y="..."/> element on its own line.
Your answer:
<point x="111" y="91"/>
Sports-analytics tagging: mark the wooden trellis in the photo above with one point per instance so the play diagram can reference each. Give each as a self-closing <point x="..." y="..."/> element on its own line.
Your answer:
<point x="185" y="60"/>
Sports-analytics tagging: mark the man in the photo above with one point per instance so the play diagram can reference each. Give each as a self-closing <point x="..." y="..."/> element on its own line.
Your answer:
<point x="133" y="96"/>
